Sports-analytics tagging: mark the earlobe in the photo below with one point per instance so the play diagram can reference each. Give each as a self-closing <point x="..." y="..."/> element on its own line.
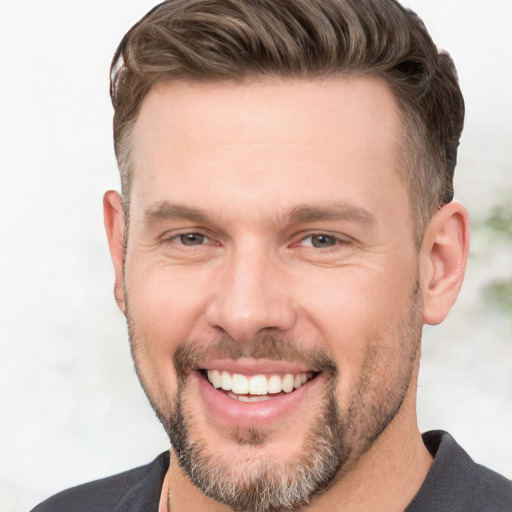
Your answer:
<point x="114" y="226"/>
<point x="445" y="251"/>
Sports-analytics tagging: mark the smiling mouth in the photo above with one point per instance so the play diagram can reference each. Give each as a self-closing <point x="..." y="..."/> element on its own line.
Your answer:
<point x="256" y="388"/>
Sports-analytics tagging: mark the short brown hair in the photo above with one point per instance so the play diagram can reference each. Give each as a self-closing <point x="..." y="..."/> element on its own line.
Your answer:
<point x="246" y="39"/>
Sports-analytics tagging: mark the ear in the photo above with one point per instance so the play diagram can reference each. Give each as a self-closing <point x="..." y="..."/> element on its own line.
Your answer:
<point x="114" y="225"/>
<point x="444" y="255"/>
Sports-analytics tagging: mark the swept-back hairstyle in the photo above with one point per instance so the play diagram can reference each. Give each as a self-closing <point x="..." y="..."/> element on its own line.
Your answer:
<point x="241" y="40"/>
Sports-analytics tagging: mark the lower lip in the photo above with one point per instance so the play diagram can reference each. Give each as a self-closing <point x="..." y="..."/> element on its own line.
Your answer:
<point x="250" y="414"/>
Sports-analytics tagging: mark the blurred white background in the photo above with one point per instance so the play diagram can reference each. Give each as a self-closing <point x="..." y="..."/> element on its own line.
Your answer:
<point x="71" y="406"/>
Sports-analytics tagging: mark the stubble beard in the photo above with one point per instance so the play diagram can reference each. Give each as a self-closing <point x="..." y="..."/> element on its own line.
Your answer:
<point x="259" y="484"/>
<point x="333" y="444"/>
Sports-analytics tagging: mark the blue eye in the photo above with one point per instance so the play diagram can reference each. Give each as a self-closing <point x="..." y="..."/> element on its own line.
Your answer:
<point x="320" y="241"/>
<point x="191" y="239"/>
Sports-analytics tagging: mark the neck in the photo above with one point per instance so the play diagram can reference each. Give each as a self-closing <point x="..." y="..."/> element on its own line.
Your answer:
<point x="385" y="478"/>
<point x="388" y="476"/>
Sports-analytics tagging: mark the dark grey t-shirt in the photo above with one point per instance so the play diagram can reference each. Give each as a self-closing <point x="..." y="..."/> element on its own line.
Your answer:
<point x="454" y="484"/>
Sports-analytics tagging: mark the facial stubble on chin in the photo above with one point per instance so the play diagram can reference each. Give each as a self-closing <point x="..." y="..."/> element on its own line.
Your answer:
<point x="334" y="442"/>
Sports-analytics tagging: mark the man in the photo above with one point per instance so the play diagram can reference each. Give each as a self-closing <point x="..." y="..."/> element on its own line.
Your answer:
<point x="285" y="228"/>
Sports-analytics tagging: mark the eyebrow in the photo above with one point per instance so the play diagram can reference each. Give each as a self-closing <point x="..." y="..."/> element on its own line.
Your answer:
<point x="164" y="211"/>
<point x="338" y="211"/>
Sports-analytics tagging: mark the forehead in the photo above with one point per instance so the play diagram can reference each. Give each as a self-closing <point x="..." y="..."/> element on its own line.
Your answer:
<point x="265" y="144"/>
<point x="206" y="113"/>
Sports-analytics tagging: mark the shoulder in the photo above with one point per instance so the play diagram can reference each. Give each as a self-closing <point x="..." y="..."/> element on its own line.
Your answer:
<point x="134" y="490"/>
<point x="456" y="483"/>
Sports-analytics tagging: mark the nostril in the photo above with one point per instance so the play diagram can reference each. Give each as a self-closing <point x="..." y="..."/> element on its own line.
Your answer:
<point x="245" y="303"/>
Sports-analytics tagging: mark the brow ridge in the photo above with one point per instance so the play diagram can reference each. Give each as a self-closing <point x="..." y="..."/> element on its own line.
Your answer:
<point x="337" y="211"/>
<point x="300" y="214"/>
<point x="164" y="210"/>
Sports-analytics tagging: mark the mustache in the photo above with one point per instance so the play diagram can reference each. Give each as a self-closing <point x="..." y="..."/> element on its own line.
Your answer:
<point x="192" y="353"/>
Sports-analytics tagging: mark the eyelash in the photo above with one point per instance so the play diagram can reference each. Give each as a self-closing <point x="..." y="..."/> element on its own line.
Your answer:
<point x="337" y="241"/>
<point x="178" y="238"/>
<point x="175" y="238"/>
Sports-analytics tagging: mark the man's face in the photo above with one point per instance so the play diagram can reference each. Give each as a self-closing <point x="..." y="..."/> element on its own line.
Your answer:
<point x="270" y="252"/>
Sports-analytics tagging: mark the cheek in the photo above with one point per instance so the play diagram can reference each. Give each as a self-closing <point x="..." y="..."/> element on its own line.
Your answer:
<point x="165" y="303"/>
<point x="357" y="311"/>
<point x="162" y="311"/>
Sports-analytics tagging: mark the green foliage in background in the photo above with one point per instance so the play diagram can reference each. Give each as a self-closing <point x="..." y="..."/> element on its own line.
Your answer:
<point x="499" y="292"/>
<point x="500" y="219"/>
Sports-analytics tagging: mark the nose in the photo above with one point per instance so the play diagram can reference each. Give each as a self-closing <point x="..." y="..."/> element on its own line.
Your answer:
<point x="250" y="297"/>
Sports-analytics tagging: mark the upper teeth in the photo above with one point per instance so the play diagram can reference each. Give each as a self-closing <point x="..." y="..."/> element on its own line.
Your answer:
<point x="257" y="384"/>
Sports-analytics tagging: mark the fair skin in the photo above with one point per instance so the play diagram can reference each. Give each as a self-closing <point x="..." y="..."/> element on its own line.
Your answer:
<point x="274" y="208"/>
